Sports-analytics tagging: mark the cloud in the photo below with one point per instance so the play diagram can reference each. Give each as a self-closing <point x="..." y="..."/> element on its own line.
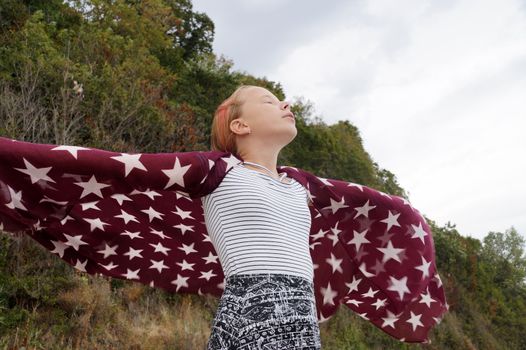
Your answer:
<point x="435" y="87"/>
<point x="259" y="34"/>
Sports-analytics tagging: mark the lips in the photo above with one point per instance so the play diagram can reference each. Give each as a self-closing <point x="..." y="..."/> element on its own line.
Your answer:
<point x="290" y="114"/>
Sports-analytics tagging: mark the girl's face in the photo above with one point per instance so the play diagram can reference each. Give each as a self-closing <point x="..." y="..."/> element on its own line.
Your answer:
<point x="266" y="116"/>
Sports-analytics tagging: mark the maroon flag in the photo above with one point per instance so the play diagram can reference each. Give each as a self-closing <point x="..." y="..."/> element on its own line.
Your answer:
<point x="139" y="216"/>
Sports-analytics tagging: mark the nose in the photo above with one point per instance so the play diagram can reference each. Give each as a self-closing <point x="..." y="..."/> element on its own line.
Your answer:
<point x="285" y="105"/>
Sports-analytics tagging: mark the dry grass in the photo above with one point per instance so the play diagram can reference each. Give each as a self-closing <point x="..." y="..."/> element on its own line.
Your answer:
<point x="136" y="317"/>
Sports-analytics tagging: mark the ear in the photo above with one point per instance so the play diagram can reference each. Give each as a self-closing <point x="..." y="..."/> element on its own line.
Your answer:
<point x="239" y="126"/>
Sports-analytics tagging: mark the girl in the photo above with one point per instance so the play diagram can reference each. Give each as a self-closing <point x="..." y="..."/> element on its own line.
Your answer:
<point x="259" y="222"/>
<point x="111" y="213"/>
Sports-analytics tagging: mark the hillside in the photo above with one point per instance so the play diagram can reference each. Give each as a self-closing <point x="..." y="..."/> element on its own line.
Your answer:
<point x="142" y="76"/>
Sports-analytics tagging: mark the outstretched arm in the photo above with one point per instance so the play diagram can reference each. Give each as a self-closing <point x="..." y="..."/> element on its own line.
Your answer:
<point x="43" y="181"/>
<point x="128" y="216"/>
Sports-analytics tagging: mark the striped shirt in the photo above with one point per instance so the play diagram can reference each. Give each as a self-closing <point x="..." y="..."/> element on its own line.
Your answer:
<point x="259" y="224"/>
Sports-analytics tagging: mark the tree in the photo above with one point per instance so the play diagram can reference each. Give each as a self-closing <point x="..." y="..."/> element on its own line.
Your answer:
<point x="505" y="252"/>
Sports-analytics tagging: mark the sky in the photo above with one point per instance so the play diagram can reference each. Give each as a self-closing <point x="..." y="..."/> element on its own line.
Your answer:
<point x="436" y="88"/>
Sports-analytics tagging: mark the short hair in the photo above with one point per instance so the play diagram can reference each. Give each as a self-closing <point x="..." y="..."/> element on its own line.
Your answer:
<point x="222" y="138"/>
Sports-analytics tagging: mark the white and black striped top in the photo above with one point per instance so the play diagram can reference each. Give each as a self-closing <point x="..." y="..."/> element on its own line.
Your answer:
<point x="259" y="224"/>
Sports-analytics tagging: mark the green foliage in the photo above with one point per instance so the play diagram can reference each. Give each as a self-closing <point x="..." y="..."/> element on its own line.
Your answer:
<point x="193" y="32"/>
<point x="348" y="159"/>
<point x="486" y="281"/>
<point x="29" y="278"/>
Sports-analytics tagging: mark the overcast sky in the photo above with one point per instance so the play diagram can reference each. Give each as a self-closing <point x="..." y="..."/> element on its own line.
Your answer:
<point x="436" y="88"/>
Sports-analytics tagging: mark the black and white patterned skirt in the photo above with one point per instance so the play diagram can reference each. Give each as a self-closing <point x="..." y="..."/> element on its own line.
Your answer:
<point x="266" y="311"/>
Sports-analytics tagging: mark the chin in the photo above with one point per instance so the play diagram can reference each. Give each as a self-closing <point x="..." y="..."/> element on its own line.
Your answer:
<point x="292" y="134"/>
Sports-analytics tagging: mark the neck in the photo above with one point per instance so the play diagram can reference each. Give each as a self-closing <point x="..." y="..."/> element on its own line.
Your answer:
<point x="267" y="161"/>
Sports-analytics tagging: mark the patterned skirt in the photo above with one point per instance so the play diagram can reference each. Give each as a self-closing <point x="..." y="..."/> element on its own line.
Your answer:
<point x="266" y="311"/>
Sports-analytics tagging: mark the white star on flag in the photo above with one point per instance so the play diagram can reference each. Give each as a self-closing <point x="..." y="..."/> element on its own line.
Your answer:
<point x="364" y="210"/>
<point x="175" y="175"/>
<point x="391" y="220"/>
<point x="74" y="241"/>
<point x="34" y="173"/>
<point x="131" y="161"/>
<point x="71" y="149"/>
<point x="390" y="252"/>
<point x="92" y="186"/>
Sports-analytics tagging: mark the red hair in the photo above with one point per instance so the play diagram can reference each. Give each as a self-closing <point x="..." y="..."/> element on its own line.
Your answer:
<point x="222" y="138"/>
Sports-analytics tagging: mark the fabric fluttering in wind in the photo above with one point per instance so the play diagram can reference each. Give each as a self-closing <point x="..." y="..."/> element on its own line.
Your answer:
<point x="139" y="217"/>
